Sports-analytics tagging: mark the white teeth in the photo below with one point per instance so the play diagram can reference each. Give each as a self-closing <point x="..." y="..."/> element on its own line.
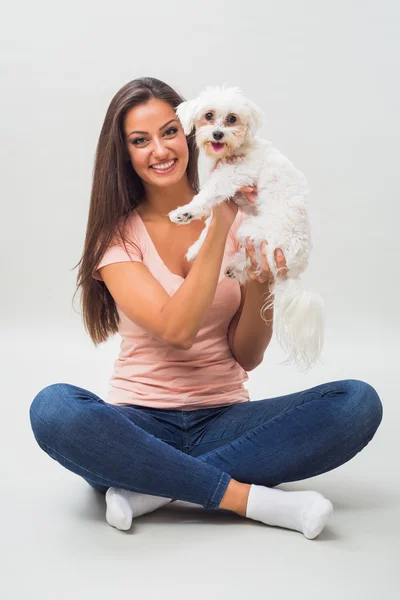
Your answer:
<point x="163" y="166"/>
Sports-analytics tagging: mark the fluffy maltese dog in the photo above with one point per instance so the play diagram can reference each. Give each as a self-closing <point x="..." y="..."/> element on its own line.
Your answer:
<point x="225" y="124"/>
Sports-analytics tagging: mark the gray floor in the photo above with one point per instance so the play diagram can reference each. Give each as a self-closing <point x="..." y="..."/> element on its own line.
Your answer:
<point x="57" y="544"/>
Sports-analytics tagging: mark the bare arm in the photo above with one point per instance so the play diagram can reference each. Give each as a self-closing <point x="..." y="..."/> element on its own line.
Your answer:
<point x="185" y="312"/>
<point x="249" y="335"/>
<point x="177" y="319"/>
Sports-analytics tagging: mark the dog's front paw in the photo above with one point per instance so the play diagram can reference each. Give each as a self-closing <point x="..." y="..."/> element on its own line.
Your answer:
<point x="180" y="215"/>
<point x="196" y="209"/>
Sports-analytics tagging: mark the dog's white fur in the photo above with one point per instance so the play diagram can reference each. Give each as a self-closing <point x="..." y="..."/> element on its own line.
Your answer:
<point x="279" y="214"/>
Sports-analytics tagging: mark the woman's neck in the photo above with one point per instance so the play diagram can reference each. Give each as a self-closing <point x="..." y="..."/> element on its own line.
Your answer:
<point x="158" y="202"/>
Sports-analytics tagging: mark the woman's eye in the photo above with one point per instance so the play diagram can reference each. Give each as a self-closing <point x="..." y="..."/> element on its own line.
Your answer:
<point x="169" y="131"/>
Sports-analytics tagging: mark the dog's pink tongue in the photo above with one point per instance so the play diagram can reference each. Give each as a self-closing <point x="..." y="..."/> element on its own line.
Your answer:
<point x="217" y="147"/>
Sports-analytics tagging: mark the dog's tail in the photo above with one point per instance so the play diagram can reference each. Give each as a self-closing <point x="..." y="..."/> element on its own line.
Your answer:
<point x="298" y="321"/>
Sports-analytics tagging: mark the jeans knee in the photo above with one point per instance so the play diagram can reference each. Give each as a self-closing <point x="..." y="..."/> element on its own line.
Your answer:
<point x="374" y="405"/>
<point x="366" y="406"/>
<point x="45" y="410"/>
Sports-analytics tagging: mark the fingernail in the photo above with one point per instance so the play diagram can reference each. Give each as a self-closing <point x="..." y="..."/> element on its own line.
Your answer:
<point x="279" y="252"/>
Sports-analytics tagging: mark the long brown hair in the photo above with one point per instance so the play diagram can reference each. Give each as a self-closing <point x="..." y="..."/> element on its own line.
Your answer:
<point x="116" y="190"/>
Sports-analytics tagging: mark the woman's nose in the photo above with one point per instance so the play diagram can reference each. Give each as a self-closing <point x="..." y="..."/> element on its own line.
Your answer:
<point x="159" y="149"/>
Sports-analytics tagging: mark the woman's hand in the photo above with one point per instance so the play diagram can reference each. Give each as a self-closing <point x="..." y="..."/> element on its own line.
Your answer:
<point x="265" y="275"/>
<point x="225" y="213"/>
<point x="249" y="191"/>
<point x="228" y="211"/>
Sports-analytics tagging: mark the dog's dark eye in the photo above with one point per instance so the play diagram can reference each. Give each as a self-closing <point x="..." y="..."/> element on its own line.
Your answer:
<point x="209" y="116"/>
<point x="232" y="119"/>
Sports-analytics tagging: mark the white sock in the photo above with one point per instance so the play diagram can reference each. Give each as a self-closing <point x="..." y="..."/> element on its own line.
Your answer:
<point x="307" y="512"/>
<point x="124" y="505"/>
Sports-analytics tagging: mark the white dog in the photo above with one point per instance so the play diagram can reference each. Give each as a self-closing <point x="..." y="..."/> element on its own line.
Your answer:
<point x="225" y="125"/>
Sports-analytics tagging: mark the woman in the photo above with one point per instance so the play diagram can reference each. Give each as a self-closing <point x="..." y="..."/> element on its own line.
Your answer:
<point x="178" y="422"/>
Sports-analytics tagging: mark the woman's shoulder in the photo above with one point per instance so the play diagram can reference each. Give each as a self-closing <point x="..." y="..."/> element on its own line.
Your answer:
<point x="128" y="225"/>
<point x="126" y="245"/>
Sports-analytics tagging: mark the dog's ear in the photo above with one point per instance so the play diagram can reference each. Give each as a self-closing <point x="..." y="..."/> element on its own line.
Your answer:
<point x="256" y="116"/>
<point x="187" y="114"/>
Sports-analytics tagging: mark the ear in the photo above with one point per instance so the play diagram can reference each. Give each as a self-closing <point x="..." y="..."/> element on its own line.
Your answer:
<point x="187" y="113"/>
<point x="256" y="116"/>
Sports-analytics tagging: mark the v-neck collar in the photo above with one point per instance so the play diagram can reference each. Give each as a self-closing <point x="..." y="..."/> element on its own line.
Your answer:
<point x="160" y="260"/>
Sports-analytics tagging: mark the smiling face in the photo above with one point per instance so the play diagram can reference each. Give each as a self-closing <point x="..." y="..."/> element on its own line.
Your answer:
<point x="156" y="143"/>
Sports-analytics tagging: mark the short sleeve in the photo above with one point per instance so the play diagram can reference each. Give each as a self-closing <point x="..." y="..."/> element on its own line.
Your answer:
<point x="117" y="253"/>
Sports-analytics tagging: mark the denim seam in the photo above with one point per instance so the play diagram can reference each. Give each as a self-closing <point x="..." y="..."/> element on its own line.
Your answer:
<point x="225" y="478"/>
<point x="113" y="484"/>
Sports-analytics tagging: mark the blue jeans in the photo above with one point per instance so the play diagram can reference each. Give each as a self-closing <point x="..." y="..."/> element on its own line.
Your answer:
<point x="192" y="455"/>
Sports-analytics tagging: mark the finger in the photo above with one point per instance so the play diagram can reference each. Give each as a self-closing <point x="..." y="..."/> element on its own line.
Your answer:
<point x="280" y="261"/>
<point x="280" y="258"/>
<point x="247" y="190"/>
<point x="264" y="261"/>
<point x="250" y="252"/>
<point x="250" y="244"/>
<point x="249" y="249"/>
<point x="252" y="268"/>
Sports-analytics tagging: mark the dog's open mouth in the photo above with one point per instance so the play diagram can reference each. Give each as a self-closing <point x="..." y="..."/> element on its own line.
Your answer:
<point x="217" y="146"/>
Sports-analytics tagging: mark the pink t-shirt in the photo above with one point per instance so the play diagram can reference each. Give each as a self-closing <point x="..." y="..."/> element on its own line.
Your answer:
<point x="150" y="372"/>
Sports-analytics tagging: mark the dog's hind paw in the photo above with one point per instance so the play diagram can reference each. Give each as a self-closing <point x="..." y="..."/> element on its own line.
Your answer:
<point x="230" y="272"/>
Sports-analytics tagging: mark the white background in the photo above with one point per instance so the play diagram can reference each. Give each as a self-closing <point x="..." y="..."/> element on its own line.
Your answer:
<point x="326" y="75"/>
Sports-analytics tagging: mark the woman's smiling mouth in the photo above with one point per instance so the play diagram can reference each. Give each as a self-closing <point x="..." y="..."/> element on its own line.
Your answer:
<point x="165" y="167"/>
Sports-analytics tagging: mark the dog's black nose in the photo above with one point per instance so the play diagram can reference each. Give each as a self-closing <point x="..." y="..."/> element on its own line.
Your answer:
<point x="217" y="135"/>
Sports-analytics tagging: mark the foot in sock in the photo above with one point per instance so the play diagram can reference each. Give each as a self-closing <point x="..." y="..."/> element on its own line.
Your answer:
<point x="124" y="505"/>
<point x="303" y="511"/>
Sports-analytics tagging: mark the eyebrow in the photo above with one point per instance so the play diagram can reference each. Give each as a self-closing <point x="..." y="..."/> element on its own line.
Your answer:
<point x="158" y="130"/>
